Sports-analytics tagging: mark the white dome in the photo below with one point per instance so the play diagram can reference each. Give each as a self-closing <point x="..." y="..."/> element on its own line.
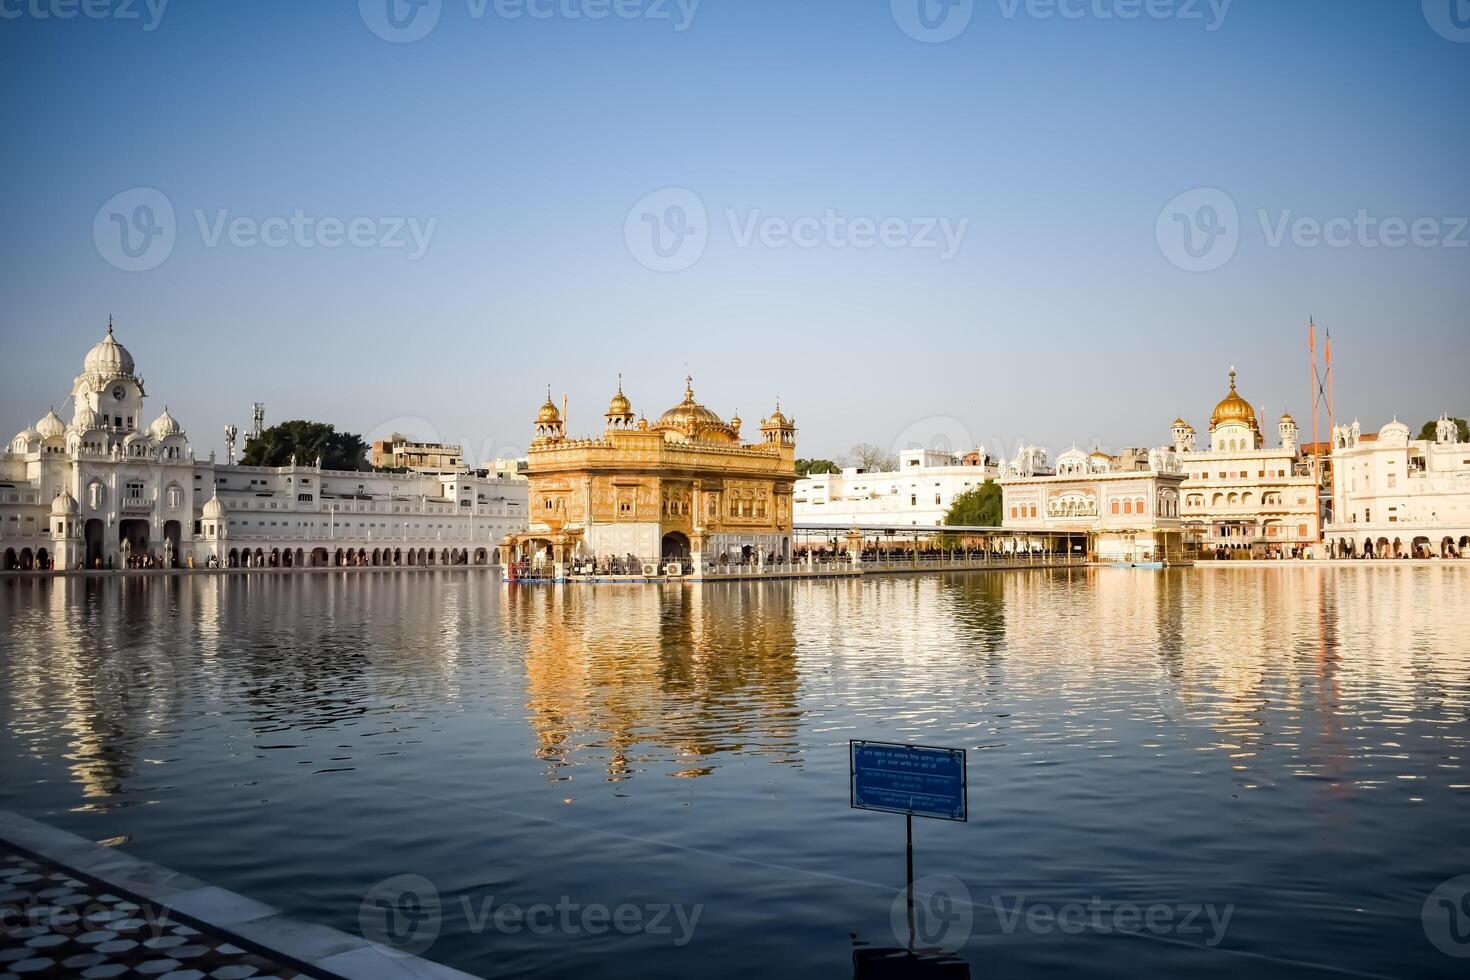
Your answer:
<point x="165" y="425"/>
<point x="65" y="505"/>
<point x="214" y="508"/>
<point x="1394" y="433"/>
<point x="27" y="435"/>
<point x="51" y="426"/>
<point x="109" y="357"/>
<point x="86" y="418"/>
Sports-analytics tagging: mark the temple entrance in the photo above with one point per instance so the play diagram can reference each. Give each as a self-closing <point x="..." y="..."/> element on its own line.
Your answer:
<point x="172" y="535"/>
<point x="93" y="533"/>
<point x="132" y="538"/>
<point x="676" y="546"/>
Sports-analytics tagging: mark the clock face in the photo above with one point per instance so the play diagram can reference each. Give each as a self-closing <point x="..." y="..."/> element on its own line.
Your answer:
<point x="119" y="392"/>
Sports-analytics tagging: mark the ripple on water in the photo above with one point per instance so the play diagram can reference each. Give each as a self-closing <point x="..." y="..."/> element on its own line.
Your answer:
<point x="1288" y="742"/>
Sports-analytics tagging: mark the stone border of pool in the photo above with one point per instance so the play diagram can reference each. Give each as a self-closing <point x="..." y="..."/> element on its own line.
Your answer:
<point x="313" y="949"/>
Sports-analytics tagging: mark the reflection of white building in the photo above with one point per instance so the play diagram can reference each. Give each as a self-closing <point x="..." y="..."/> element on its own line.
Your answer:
<point x="109" y="487"/>
<point x="1241" y="494"/>
<point x="917" y="494"/>
<point x="1127" y="507"/>
<point x="1400" y="496"/>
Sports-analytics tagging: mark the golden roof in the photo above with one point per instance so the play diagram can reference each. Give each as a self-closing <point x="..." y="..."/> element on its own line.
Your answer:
<point x="689" y="417"/>
<point x="620" y="404"/>
<point x="776" y="419"/>
<point x="548" y="413"/>
<point x="1233" y="408"/>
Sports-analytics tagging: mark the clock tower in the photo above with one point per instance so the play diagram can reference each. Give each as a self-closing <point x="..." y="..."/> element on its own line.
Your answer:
<point x="108" y="386"/>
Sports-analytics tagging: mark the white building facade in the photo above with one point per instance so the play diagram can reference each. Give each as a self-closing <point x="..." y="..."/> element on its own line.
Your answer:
<point x="1243" y="498"/>
<point x="1126" y="511"/>
<point x="108" y="491"/>
<point x="917" y="494"/>
<point x="1396" y="496"/>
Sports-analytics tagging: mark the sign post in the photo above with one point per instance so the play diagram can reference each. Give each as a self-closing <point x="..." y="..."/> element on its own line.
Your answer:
<point x="915" y="780"/>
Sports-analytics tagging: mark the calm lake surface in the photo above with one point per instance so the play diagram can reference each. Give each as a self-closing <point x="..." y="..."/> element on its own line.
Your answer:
<point x="1286" y="743"/>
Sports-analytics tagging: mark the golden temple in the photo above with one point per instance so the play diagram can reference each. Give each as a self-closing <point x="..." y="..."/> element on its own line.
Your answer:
<point x="683" y="490"/>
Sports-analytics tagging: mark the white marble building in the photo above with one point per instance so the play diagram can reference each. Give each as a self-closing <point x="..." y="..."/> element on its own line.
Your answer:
<point x="1125" y="508"/>
<point x="917" y="494"/>
<point x="107" y="489"/>
<point x="1242" y="495"/>
<point x="1399" y="496"/>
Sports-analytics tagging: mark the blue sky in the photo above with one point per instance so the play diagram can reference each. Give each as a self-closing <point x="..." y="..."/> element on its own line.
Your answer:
<point x="520" y="149"/>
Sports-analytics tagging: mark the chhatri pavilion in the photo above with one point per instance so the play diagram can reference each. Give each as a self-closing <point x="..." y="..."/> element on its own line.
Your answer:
<point x="683" y="489"/>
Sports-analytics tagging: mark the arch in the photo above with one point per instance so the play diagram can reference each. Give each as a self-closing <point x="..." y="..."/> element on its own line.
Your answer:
<point x="412" y="555"/>
<point x="319" y="557"/>
<point x="93" y="534"/>
<point x="12" y="560"/>
<point x="481" y="556"/>
<point x="495" y="556"/>
<point x="234" y="558"/>
<point x="675" y="546"/>
<point x="286" y="558"/>
<point x="444" y="556"/>
<point x="27" y="560"/>
<point x="362" y="558"/>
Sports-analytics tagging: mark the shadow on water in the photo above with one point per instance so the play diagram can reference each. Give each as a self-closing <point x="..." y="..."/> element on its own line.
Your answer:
<point x="892" y="963"/>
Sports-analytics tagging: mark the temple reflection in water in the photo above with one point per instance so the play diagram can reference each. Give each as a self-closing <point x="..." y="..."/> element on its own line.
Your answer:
<point x="110" y="673"/>
<point x="635" y="677"/>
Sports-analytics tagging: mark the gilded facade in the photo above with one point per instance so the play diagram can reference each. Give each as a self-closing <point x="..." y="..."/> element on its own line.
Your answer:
<point x="684" y="488"/>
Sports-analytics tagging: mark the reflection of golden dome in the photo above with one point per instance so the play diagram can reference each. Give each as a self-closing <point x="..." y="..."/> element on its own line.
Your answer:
<point x="1233" y="408"/>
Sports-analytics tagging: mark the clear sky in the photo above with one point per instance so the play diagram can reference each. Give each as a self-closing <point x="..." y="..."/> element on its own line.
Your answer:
<point x="992" y="237"/>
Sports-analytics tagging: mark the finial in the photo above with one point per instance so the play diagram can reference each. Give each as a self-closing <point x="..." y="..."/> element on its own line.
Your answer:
<point x="548" y="392"/>
<point x="109" y="324"/>
<point x="1232" y="377"/>
<point x="620" y="382"/>
<point x="688" y="386"/>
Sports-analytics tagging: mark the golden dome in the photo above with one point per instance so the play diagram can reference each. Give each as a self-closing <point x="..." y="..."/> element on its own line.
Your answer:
<point x="689" y="417"/>
<point x="620" y="405"/>
<point x="549" y="413"/>
<point x="1233" y="408"/>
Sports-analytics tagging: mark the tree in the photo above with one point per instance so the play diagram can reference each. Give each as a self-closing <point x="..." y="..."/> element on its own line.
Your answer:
<point x="809" y="467"/>
<point x="870" y="458"/>
<point x="1463" y="435"/>
<point x="306" y="441"/>
<point x="980" y="507"/>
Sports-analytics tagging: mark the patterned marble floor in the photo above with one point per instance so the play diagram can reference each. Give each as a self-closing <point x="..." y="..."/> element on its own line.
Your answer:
<point x="53" y="925"/>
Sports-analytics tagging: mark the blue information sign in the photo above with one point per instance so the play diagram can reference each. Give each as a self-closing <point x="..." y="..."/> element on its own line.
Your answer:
<point x="915" y="779"/>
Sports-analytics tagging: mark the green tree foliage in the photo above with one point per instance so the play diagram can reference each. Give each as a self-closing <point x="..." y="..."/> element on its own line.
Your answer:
<point x="1428" y="431"/>
<point x="306" y="440"/>
<point x="980" y="507"/>
<point x="807" y="467"/>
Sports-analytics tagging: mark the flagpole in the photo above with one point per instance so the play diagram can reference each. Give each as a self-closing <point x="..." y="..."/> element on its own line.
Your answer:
<point x="1316" y="444"/>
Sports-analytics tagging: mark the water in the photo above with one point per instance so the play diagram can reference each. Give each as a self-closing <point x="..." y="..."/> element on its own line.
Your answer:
<point x="1287" y="744"/>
